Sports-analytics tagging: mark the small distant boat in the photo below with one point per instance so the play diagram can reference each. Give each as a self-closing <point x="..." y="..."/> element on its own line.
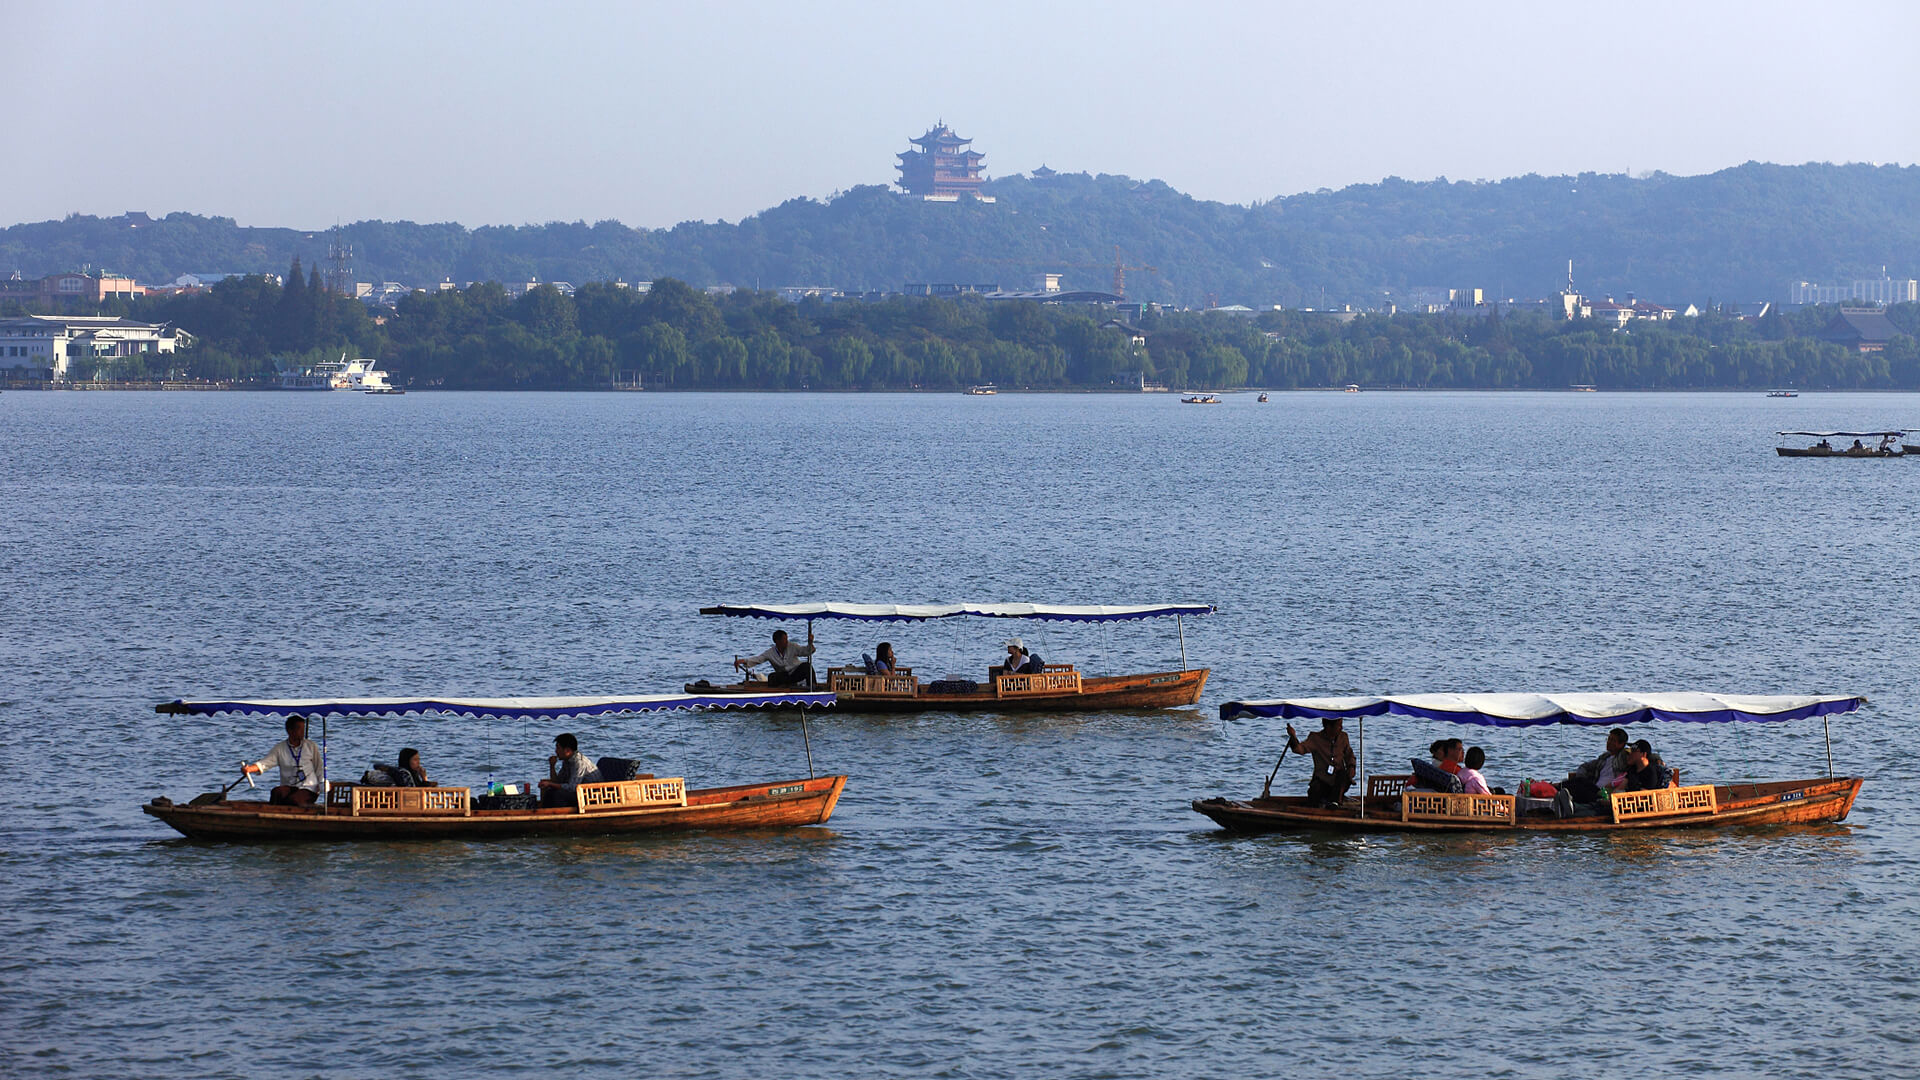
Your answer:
<point x="1353" y="388"/>
<point x="1583" y="388"/>
<point x="1783" y="393"/>
<point x="1262" y="399"/>
<point x="1891" y="444"/>
<point x="341" y="374"/>
<point x="1200" y="399"/>
<point x="983" y="390"/>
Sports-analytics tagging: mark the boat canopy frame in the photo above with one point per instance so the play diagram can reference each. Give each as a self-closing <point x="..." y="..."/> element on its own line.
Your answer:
<point x="507" y="708"/>
<point x="1538" y="710"/>
<point x="1083" y="613"/>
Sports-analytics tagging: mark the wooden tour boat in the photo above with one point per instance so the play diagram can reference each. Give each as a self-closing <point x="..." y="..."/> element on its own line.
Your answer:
<point x="641" y="803"/>
<point x="1058" y="688"/>
<point x="1890" y="445"/>
<point x="1201" y="399"/>
<point x="1391" y="804"/>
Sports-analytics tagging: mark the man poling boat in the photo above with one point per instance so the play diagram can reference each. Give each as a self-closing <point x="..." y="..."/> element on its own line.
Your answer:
<point x="609" y="796"/>
<point x="1027" y="684"/>
<point x="1648" y="795"/>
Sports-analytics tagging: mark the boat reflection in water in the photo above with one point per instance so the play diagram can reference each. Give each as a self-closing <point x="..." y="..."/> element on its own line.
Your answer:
<point x="1393" y="804"/>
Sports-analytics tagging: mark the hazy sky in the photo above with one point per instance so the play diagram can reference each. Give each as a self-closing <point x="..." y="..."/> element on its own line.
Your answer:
<point x="310" y="113"/>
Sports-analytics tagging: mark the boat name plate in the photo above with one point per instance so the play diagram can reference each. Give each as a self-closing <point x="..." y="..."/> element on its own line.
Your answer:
<point x="786" y="789"/>
<point x="1162" y="680"/>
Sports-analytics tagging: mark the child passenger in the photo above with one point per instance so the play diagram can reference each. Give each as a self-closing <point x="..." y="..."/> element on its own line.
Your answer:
<point x="1470" y="774"/>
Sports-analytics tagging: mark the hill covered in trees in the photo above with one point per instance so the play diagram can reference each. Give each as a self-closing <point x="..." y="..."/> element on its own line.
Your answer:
<point x="679" y="337"/>
<point x="1739" y="234"/>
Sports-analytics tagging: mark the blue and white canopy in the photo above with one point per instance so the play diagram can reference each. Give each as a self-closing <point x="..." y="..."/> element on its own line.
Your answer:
<point x="1844" y="434"/>
<point x="1532" y="710"/>
<point x="921" y="612"/>
<point x="514" y="708"/>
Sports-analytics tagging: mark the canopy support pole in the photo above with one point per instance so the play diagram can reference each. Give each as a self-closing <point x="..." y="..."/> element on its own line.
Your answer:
<point x="1363" y="768"/>
<point x="326" y="787"/>
<point x="806" y="739"/>
<point x="1183" y="641"/>
<point x="1827" y="724"/>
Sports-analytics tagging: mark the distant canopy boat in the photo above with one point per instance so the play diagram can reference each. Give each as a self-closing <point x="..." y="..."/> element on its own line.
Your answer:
<point x="1392" y="803"/>
<point x="1053" y="688"/>
<point x="630" y="803"/>
<point x="1891" y="444"/>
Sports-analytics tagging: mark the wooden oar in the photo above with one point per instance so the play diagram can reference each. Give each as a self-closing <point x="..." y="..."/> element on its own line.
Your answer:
<point x="204" y="798"/>
<point x="1266" y="789"/>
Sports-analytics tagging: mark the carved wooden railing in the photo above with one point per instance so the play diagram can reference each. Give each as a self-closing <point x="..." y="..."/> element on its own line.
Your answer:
<point x="1379" y="785"/>
<point x="1664" y="802"/>
<point x="630" y="794"/>
<point x="358" y="799"/>
<point x="855" y="682"/>
<point x="1054" y="679"/>
<point x="1446" y="806"/>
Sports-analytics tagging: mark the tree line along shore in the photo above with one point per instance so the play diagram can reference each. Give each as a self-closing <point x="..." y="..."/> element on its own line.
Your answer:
<point x="678" y="337"/>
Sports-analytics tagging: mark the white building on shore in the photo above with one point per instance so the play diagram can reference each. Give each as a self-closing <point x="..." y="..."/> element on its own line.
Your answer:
<point x="41" y="346"/>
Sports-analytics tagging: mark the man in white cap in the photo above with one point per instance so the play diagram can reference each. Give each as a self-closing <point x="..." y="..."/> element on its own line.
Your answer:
<point x="1019" y="660"/>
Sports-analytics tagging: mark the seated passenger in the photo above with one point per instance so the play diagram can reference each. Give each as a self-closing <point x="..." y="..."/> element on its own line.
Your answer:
<point x="567" y="769"/>
<point x="302" y="773"/>
<point x="1469" y="774"/>
<point x="1645" y="770"/>
<point x="1589" y="778"/>
<point x="1019" y="660"/>
<point x="1442" y="773"/>
<point x="410" y="773"/>
<point x="1333" y="762"/>
<point x="883" y="661"/>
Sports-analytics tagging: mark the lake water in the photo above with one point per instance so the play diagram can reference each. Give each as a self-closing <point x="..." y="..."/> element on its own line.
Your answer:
<point x="996" y="895"/>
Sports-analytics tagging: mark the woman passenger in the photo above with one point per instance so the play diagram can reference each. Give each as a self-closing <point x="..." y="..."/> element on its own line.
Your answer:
<point x="1470" y="775"/>
<point x="412" y="773"/>
<point x="883" y="662"/>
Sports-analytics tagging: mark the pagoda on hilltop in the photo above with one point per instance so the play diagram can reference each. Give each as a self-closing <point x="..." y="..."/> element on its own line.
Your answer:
<point x="943" y="168"/>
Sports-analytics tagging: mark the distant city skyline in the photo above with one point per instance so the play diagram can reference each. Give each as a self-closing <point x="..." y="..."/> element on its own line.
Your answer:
<point x="493" y="114"/>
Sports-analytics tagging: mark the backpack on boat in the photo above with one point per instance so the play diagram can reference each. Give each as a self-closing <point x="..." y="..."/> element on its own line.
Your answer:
<point x="1434" y="778"/>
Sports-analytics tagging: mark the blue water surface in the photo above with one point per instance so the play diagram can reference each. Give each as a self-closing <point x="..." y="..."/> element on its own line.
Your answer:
<point x="997" y="895"/>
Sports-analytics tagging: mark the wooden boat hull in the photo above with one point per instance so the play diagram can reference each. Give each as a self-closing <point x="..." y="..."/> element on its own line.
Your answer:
<point x="1797" y="451"/>
<point x="1100" y="693"/>
<point x="1787" y="802"/>
<point x="745" y="806"/>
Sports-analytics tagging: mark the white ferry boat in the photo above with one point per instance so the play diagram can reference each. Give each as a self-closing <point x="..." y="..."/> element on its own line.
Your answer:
<point x="341" y="374"/>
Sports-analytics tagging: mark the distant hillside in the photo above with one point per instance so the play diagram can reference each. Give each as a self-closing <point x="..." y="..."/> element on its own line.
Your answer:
<point x="1738" y="234"/>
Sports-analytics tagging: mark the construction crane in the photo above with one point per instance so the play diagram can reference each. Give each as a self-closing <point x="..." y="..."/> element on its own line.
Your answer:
<point x="1120" y="269"/>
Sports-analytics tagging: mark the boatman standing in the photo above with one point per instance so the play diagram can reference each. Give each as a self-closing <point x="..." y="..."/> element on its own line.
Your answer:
<point x="790" y="666"/>
<point x="1333" y="762"/>
<point x="301" y="771"/>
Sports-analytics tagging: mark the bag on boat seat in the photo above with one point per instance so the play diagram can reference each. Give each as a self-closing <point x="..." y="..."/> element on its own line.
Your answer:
<point x="615" y="769"/>
<point x="378" y="776"/>
<point x="1434" y="778"/>
<point x="952" y="686"/>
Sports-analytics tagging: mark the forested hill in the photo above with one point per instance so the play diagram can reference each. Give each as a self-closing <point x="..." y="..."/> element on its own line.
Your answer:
<point x="1738" y="234"/>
